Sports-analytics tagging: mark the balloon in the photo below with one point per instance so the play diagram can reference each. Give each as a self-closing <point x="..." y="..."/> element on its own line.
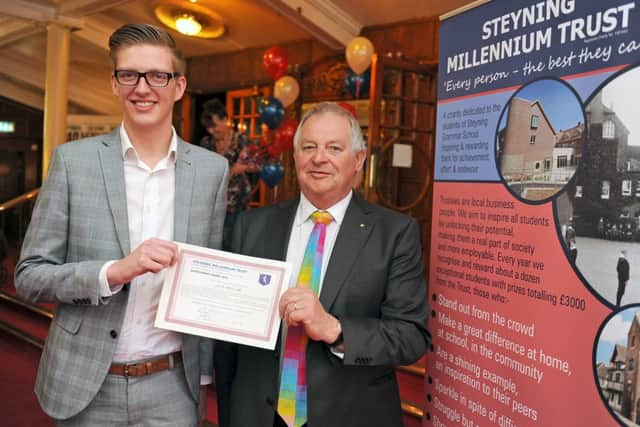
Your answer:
<point x="272" y="173"/>
<point x="350" y="108"/>
<point x="283" y="137"/>
<point x="286" y="90"/>
<point x="268" y="143"/>
<point x="274" y="150"/>
<point x="275" y="61"/>
<point x="359" y="52"/>
<point x="358" y="84"/>
<point x="271" y="111"/>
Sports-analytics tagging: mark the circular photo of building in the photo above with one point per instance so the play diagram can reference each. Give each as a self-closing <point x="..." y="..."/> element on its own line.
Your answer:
<point x="599" y="214"/>
<point x="616" y="365"/>
<point x="539" y="139"/>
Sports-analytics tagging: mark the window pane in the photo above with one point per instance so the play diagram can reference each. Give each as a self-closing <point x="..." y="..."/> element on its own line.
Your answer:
<point x="534" y="121"/>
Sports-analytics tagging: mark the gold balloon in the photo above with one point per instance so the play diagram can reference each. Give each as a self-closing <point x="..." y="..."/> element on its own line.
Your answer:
<point x="286" y="89"/>
<point x="359" y="52"/>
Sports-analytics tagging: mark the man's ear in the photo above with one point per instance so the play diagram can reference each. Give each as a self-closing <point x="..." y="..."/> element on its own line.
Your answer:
<point x="114" y="85"/>
<point x="181" y="86"/>
<point x="360" y="158"/>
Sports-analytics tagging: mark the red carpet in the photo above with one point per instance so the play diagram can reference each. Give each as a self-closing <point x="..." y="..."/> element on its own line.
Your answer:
<point x="18" y="404"/>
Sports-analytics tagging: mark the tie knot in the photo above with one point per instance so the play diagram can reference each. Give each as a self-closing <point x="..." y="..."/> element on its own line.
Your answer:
<point x="321" y="217"/>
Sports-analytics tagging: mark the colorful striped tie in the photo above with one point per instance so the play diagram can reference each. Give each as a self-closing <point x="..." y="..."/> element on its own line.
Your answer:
<point x="292" y="401"/>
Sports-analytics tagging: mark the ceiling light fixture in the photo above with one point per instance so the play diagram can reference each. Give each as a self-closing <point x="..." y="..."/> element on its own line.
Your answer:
<point x="191" y="19"/>
<point x="188" y="25"/>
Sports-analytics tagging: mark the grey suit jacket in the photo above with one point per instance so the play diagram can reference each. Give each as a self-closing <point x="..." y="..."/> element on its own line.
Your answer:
<point x="79" y="222"/>
<point x="374" y="284"/>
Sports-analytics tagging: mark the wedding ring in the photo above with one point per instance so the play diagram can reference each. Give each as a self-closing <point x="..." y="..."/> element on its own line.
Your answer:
<point x="295" y="307"/>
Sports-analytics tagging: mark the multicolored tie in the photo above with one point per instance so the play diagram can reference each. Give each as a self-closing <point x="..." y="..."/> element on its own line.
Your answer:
<point x="292" y="401"/>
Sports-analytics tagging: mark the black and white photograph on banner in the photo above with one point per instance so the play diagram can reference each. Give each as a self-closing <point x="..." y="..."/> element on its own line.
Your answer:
<point x="599" y="214"/>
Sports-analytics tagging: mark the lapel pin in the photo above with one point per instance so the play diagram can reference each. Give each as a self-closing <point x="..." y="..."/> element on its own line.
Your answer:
<point x="362" y="225"/>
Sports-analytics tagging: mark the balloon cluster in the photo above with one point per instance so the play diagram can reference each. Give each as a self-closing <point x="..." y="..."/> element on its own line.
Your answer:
<point x="266" y="151"/>
<point x="271" y="109"/>
<point x="358" y="52"/>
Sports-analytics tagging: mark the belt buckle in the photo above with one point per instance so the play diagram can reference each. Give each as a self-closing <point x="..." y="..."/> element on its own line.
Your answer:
<point x="126" y="370"/>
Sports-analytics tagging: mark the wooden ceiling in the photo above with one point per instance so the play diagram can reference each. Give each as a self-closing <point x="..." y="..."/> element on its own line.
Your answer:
<point x="249" y="24"/>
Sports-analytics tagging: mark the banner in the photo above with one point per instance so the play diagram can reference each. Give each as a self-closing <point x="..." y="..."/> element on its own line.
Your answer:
<point x="534" y="278"/>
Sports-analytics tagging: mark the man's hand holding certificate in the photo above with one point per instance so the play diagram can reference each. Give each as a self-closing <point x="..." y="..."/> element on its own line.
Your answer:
<point x="224" y="296"/>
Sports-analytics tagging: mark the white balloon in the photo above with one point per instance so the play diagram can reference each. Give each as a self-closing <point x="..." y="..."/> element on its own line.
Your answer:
<point x="286" y="89"/>
<point x="358" y="53"/>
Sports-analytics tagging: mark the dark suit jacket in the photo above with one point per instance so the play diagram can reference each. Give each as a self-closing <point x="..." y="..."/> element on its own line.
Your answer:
<point x="375" y="285"/>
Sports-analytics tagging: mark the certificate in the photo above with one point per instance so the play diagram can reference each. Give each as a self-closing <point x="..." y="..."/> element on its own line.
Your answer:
<point x="225" y="296"/>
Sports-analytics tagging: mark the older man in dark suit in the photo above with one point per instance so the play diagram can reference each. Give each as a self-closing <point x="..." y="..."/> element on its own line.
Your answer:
<point x="368" y="312"/>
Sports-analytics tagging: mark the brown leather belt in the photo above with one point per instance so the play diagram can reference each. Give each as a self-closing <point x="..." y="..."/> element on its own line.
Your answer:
<point x="148" y="367"/>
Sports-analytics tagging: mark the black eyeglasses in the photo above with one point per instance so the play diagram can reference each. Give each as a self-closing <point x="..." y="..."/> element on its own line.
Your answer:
<point x="153" y="78"/>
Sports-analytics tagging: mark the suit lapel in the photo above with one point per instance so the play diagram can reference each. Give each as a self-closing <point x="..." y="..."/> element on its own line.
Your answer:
<point x="110" y="154"/>
<point x="278" y="230"/>
<point x="183" y="191"/>
<point x="353" y="234"/>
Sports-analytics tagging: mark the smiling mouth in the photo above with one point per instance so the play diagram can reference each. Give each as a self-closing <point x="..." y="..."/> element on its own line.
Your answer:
<point x="143" y="103"/>
<point x="319" y="174"/>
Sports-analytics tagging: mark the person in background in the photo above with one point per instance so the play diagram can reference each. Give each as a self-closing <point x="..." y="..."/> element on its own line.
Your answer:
<point x="232" y="145"/>
<point x="623" y="275"/>
<point x="357" y="306"/>
<point x="101" y="236"/>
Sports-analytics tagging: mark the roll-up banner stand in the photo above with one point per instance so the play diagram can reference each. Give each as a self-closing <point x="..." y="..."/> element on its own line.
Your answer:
<point x="534" y="280"/>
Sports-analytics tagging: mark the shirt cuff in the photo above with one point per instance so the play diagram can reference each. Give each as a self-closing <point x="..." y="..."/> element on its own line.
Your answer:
<point x="336" y="353"/>
<point x="206" y="379"/>
<point x="107" y="291"/>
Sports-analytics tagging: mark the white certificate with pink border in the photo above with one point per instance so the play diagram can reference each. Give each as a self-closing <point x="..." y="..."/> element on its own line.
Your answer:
<point x="225" y="296"/>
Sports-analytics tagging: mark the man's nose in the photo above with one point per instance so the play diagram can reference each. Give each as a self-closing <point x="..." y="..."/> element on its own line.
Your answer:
<point x="320" y="155"/>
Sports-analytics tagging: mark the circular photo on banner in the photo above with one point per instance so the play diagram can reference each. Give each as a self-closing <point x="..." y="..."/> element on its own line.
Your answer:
<point x="539" y="139"/>
<point x="599" y="214"/>
<point x="617" y="355"/>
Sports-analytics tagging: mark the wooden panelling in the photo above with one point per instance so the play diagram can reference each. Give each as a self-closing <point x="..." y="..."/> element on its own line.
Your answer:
<point x="244" y="68"/>
<point x="413" y="40"/>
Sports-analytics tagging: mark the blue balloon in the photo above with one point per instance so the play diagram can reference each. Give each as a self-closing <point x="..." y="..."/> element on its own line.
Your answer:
<point x="271" y="111"/>
<point x="358" y="84"/>
<point x="272" y="173"/>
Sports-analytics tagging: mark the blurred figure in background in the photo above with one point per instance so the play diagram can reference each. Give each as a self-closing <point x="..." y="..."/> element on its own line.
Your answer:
<point x="232" y="145"/>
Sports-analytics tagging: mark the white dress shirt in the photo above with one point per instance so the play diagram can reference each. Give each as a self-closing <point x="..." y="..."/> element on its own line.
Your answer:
<point x="150" y="209"/>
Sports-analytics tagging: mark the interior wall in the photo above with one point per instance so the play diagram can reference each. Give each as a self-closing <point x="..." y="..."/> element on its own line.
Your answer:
<point x="21" y="150"/>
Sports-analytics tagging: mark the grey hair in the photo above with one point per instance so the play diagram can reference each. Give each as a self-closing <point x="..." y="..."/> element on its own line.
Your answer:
<point x="357" y="142"/>
<point x="137" y="34"/>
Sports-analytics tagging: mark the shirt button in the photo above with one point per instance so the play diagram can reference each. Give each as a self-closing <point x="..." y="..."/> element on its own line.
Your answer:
<point x="113" y="333"/>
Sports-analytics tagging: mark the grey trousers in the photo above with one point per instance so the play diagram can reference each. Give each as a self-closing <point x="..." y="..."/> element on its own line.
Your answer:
<point x="157" y="400"/>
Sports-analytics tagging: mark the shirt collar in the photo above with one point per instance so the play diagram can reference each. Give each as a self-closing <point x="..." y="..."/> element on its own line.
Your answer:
<point x="337" y="211"/>
<point x="129" y="151"/>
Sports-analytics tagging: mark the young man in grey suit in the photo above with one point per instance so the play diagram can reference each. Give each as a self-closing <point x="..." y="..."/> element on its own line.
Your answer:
<point x="100" y="239"/>
<point x="371" y="312"/>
